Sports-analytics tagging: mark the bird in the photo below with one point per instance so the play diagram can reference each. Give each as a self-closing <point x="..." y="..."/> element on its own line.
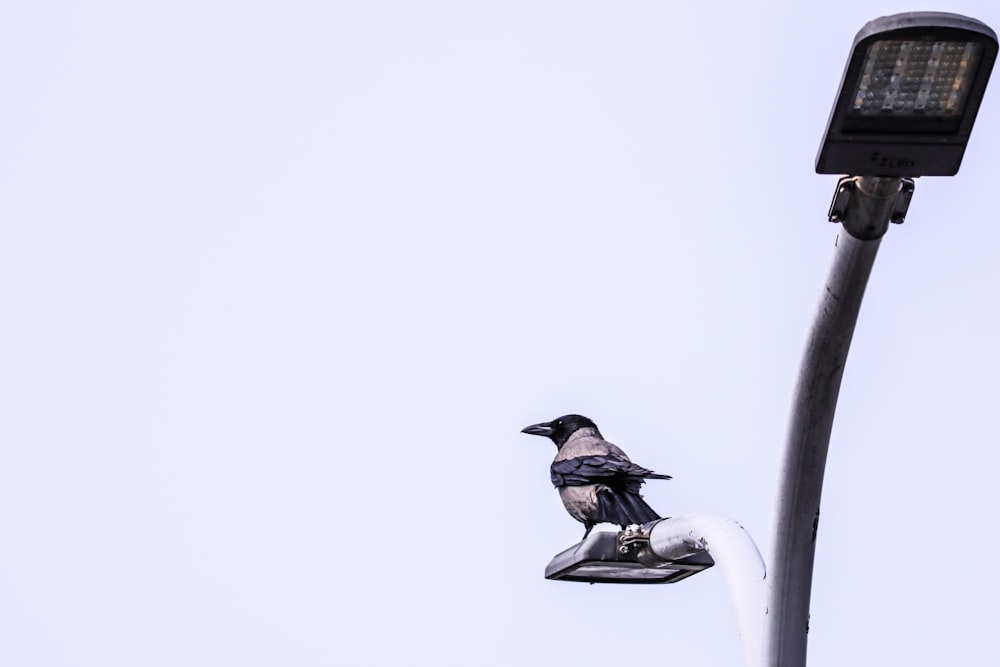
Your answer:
<point x="597" y="481"/>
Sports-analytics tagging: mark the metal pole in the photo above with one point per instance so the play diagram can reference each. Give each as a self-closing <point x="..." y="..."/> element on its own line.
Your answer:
<point x="865" y="205"/>
<point x="736" y="556"/>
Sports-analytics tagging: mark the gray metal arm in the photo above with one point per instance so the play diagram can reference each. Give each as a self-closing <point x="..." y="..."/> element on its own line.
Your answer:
<point x="735" y="555"/>
<point x="865" y="205"/>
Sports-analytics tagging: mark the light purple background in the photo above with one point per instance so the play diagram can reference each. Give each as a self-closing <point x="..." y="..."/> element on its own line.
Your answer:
<point x="281" y="282"/>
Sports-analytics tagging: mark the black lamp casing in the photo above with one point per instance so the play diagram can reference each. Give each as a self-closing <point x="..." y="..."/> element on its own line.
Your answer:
<point x="599" y="559"/>
<point x="904" y="146"/>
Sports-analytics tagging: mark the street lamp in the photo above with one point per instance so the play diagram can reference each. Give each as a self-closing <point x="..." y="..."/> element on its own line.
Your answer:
<point x="624" y="558"/>
<point x="906" y="106"/>
<point x="909" y="96"/>
<point x="669" y="550"/>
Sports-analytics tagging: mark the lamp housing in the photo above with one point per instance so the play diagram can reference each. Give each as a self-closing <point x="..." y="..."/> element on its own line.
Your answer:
<point x="909" y="96"/>
<point x="602" y="559"/>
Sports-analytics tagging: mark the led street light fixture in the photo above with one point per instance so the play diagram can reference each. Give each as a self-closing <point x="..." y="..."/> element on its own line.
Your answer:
<point x="909" y="96"/>
<point x="602" y="559"/>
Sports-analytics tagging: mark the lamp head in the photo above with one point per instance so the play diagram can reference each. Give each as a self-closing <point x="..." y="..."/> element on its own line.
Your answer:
<point x="909" y="96"/>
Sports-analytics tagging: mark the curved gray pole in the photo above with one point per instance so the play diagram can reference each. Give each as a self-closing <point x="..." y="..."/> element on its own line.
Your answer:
<point x="735" y="555"/>
<point x="866" y="207"/>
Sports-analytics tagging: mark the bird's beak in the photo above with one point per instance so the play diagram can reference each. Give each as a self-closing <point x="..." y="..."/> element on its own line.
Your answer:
<point x="538" y="429"/>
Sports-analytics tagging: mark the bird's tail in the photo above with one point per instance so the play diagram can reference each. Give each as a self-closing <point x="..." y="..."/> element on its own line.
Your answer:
<point x="624" y="508"/>
<point x="656" y="475"/>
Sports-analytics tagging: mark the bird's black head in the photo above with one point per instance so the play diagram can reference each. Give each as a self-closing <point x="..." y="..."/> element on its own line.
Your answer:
<point x="559" y="430"/>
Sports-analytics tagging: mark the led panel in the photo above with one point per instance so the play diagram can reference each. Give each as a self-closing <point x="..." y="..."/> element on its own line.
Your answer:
<point x="905" y="77"/>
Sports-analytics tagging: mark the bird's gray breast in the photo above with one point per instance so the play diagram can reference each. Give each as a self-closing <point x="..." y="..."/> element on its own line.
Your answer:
<point x="580" y="501"/>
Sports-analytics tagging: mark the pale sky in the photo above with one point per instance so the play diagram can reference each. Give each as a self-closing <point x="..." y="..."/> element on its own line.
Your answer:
<point x="282" y="281"/>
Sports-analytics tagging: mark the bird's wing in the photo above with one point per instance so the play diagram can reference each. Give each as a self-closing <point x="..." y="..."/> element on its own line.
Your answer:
<point x="608" y="468"/>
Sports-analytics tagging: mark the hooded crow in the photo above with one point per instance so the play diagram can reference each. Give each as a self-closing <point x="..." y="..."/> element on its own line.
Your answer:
<point x="597" y="481"/>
